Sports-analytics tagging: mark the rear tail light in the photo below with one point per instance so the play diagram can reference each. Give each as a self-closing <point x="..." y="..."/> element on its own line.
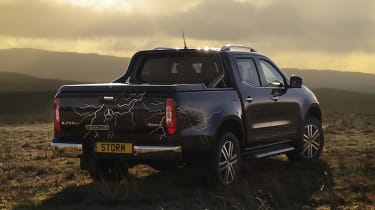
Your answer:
<point x="56" y="104"/>
<point x="170" y="115"/>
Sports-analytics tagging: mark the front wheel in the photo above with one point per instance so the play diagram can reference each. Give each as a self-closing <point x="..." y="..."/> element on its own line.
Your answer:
<point x="227" y="159"/>
<point x="310" y="144"/>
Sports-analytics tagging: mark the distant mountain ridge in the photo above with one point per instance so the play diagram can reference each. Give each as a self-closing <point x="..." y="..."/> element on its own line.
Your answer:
<point x="16" y="82"/>
<point x="62" y="65"/>
<point x="350" y="81"/>
<point x="102" y="68"/>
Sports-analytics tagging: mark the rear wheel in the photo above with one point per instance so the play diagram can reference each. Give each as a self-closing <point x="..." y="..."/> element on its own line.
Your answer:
<point x="310" y="144"/>
<point x="227" y="160"/>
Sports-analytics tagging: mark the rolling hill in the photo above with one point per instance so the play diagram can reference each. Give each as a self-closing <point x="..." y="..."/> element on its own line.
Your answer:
<point x="350" y="81"/>
<point x="334" y="100"/>
<point x="102" y="68"/>
<point x="16" y="82"/>
<point x="62" y="65"/>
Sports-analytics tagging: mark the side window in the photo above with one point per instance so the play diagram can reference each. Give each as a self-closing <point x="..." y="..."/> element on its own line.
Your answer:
<point x="248" y="72"/>
<point x="270" y="73"/>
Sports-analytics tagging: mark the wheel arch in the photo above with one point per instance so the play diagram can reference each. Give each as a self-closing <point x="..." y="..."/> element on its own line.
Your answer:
<point x="232" y="124"/>
<point x="314" y="111"/>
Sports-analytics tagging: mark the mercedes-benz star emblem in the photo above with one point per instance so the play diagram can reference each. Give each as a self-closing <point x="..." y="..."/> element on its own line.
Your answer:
<point x="108" y="114"/>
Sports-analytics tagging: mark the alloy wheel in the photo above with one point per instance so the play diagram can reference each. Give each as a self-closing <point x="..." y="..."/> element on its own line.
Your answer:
<point x="311" y="141"/>
<point x="228" y="162"/>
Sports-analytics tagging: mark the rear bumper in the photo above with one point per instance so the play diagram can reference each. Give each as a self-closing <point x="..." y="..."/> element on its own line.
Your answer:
<point x="141" y="151"/>
<point x="157" y="153"/>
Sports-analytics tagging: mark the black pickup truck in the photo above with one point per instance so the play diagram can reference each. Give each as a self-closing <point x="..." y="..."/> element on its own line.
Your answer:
<point x="176" y="105"/>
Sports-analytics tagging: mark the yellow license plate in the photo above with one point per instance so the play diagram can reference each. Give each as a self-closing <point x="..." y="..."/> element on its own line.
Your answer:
<point x="112" y="147"/>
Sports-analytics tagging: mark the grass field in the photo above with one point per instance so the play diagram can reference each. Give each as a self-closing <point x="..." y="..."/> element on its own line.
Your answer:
<point x="26" y="107"/>
<point x="32" y="178"/>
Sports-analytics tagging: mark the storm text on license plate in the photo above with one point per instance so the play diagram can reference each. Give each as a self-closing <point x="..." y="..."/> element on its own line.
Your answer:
<point x="109" y="147"/>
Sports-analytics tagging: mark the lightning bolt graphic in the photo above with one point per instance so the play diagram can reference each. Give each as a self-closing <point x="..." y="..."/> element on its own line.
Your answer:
<point x="162" y="120"/>
<point x="129" y="106"/>
<point x="198" y="124"/>
<point x="88" y="114"/>
<point x="109" y="114"/>
<point x="124" y="107"/>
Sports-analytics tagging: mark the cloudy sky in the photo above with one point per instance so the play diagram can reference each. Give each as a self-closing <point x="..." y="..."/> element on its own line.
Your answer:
<point x="315" y="34"/>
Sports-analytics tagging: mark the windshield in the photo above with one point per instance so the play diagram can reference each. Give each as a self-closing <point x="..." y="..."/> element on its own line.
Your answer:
<point x="167" y="69"/>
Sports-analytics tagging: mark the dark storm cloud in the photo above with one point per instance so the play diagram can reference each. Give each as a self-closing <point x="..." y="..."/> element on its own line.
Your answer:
<point x="328" y="25"/>
<point x="334" y="26"/>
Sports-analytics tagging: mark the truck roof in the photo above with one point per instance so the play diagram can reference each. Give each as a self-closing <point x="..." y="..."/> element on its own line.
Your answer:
<point x="229" y="48"/>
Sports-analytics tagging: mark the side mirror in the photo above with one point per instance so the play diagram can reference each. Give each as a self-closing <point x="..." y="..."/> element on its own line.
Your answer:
<point x="295" y="82"/>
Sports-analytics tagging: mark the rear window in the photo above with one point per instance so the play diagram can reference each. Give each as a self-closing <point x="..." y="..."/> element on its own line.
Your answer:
<point x="182" y="69"/>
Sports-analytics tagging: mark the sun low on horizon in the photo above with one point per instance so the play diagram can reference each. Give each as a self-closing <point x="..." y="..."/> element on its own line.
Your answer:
<point x="333" y="35"/>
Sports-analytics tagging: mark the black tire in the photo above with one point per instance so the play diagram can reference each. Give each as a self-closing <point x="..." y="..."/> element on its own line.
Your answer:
<point x="310" y="143"/>
<point x="227" y="159"/>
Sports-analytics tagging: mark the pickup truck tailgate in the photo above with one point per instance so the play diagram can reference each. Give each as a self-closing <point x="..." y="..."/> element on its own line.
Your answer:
<point x="114" y="112"/>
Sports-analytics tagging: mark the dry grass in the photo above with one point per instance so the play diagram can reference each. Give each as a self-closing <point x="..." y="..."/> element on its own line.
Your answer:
<point x="31" y="178"/>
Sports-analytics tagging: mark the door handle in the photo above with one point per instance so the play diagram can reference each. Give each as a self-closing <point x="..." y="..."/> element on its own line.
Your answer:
<point x="108" y="98"/>
<point x="249" y="99"/>
<point x="275" y="98"/>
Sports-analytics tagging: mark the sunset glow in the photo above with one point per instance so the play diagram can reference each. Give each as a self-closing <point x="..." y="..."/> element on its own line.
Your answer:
<point x="298" y="34"/>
